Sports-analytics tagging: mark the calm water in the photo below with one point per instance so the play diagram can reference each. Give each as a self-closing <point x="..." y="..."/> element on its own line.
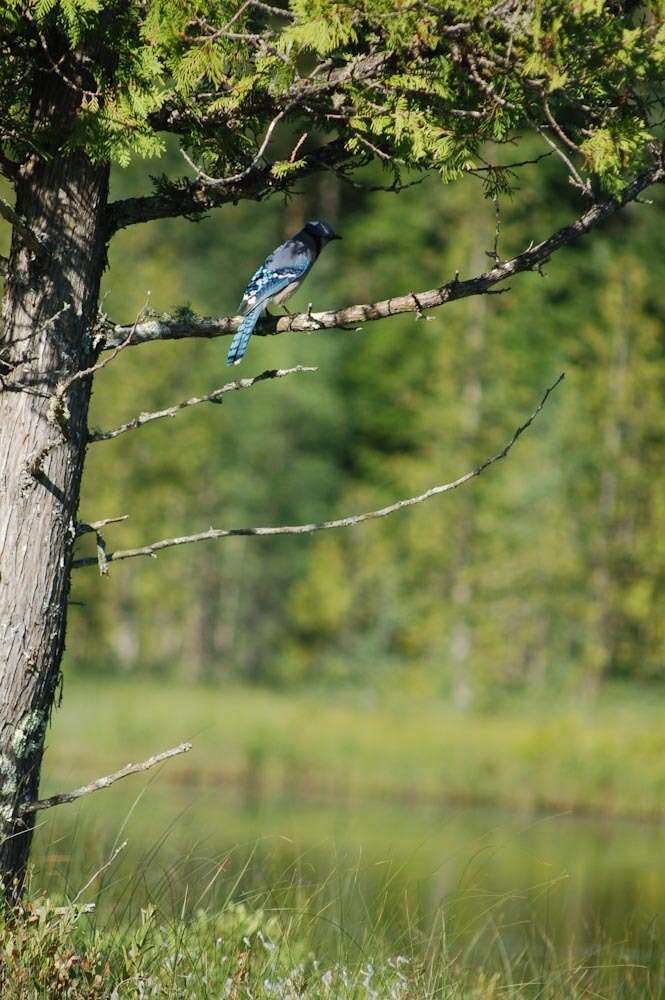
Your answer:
<point x="367" y="870"/>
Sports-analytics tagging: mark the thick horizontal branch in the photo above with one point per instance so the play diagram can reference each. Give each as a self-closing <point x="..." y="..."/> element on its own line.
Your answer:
<point x="255" y="180"/>
<point x="192" y="199"/>
<point x="412" y="302"/>
<point x="109" y="779"/>
<point x="212" y="397"/>
<point x="342" y="522"/>
<point x="30" y="238"/>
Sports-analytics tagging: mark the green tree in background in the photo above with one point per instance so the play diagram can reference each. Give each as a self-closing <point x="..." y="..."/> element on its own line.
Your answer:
<point x="522" y="577"/>
<point x="374" y="424"/>
<point x="258" y="98"/>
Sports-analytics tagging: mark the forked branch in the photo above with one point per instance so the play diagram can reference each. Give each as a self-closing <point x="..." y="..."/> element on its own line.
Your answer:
<point x="342" y="522"/>
<point x="109" y="779"/>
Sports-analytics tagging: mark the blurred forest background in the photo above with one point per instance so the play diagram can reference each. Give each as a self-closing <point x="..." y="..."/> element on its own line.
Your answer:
<point x="548" y="573"/>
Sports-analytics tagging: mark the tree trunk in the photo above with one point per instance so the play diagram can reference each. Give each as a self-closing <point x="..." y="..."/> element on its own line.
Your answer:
<point x="49" y="310"/>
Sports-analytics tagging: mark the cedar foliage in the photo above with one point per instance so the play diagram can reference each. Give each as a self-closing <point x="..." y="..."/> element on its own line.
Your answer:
<point x="426" y="84"/>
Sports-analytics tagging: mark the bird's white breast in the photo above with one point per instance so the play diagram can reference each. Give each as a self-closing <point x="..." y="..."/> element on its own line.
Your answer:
<point x="285" y="293"/>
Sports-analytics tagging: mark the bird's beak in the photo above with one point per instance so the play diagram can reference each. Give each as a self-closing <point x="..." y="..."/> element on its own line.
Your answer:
<point x="336" y="237"/>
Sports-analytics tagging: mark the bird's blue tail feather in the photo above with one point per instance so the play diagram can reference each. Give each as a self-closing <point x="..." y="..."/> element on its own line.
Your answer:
<point x="242" y="335"/>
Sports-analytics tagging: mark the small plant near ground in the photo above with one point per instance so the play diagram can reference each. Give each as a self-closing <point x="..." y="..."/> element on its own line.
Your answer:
<point x="240" y="952"/>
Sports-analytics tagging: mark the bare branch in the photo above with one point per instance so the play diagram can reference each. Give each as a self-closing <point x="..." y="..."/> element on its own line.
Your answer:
<point x="83" y="527"/>
<point x="556" y="128"/>
<point x="220" y="182"/>
<point x="29" y="237"/>
<point x="355" y="315"/>
<point x="496" y="167"/>
<point x="240" y="11"/>
<point x="296" y="148"/>
<point x="96" y="528"/>
<point x="87" y="372"/>
<point x="573" y="174"/>
<point x="342" y="522"/>
<point x="485" y="85"/>
<point x="211" y="397"/>
<point x="56" y="66"/>
<point x="278" y="11"/>
<point x="192" y="199"/>
<point x="259" y="41"/>
<point x="102" y="561"/>
<point x="109" y="779"/>
<point x="382" y="155"/>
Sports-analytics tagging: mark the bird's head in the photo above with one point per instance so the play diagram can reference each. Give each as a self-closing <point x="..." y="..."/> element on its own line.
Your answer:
<point x="321" y="232"/>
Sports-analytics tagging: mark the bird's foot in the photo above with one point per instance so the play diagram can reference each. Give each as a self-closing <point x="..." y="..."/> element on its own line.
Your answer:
<point x="315" y="323"/>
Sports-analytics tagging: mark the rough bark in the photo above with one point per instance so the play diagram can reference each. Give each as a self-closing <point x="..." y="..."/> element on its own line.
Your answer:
<point x="49" y="310"/>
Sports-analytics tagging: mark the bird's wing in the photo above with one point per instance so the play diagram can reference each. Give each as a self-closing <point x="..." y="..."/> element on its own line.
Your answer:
<point x="264" y="285"/>
<point x="286" y="265"/>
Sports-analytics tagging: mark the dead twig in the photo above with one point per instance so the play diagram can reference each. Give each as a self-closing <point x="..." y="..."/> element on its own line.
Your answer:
<point x="212" y="397"/>
<point x="83" y="527"/>
<point x="58" y="408"/>
<point x="242" y="174"/>
<point x="109" y="779"/>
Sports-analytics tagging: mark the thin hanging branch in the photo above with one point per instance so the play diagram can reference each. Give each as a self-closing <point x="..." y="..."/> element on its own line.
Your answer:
<point x="212" y="397"/>
<point x="342" y="522"/>
<point x="109" y="779"/>
<point x="530" y="259"/>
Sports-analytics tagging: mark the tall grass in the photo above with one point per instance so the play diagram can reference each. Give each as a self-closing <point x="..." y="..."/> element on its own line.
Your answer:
<point x="196" y="906"/>
<point x="256" y="946"/>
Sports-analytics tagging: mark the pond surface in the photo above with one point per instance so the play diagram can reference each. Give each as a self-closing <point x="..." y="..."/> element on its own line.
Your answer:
<point x="369" y="871"/>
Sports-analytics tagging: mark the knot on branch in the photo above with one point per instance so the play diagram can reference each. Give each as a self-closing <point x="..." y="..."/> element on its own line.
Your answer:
<point x="34" y="466"/>
<point x="83" y="528"/>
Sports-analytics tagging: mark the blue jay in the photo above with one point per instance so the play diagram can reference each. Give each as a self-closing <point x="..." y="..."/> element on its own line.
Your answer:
<point x="280" y="275"/>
